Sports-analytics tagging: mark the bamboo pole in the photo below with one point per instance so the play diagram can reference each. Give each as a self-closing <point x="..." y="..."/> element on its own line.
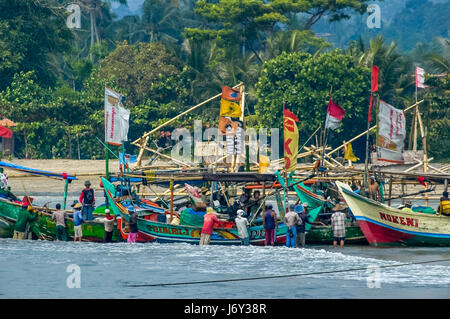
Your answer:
<point x="224" y="195"/>
<point x="390" y="190"/>
<point x="424" y="146"/>
<point x="171" y="200"/>
<point x="440" y="176"/>
<point x="178" y="116"/>
<point x="415" y="129"/>
<point x="319" y="157"/>
<point x="141" y="151"/>
<point x="403" y="193"/>
<point x="352" y="139"/>
<point x="370" y="129"/>
<point x="168" y="157"/>
<point x="434" y="168"/>
<point x="303" y="154"/>
<point x="327" y="156"/>
<point x="166" y="192"/>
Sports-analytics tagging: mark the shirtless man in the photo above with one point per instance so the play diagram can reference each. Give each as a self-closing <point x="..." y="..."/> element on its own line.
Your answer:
<point x="374" y="189"/>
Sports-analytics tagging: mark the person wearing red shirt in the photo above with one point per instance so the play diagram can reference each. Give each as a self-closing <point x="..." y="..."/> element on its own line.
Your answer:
<point x="208" y="224"/>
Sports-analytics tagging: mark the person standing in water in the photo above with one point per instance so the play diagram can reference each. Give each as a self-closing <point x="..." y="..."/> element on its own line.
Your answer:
<point x="77" y="222"/>
<point x="242" y="224"/>
<point x="270" y="224"/>
<point x="87" y="198"/>
<point x="132" y="235"/>
<point x="60" y="218"/>
<point x="338" y="224"/>
<point x="208" y="224"/>
<point x="109" y="226"/>
<point x="22" y="220"/>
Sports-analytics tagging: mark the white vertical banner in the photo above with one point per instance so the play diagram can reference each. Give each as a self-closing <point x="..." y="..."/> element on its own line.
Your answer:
<point x="420" y="78"/>
<point x="391" y="133"/>
<point x="116" y="118"/>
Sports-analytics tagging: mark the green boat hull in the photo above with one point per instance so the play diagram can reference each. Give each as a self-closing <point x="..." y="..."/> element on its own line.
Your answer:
<point x="44" y="227"/>
<point x="324" y="235"/>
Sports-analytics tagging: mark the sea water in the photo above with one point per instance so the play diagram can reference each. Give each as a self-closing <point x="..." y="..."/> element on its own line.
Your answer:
<point x="48" y="269"/>
<point x="45" y="269"/>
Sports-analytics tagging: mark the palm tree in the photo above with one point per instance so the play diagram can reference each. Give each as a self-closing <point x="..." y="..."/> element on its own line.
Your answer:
<point x="201" y="57"/>
<point x="97" y="9"/>
<point x="293" y="41"/>
<point x="440" y="62"/>
<point x="161" y="21"/>
<point x="394" y="76"/>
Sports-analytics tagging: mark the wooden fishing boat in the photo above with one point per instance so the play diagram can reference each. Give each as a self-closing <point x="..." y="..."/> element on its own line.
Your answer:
<point x="307" y="196"/>
<point x="320" y="235"/>
<point x="144" y="208"/>
<point x="317" y="234"/>
<point x="167" y="233"/>
<point x="387" y="226"/>
<point x="151" y="229"/>
<point x="45" y="228"/>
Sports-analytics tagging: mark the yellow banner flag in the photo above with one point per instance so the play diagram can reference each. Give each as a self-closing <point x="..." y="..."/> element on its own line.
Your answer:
<point x="348" y="155"/>
<point x="290" y="141"/>
<point x="264" y="163"/>
<point x="229" y="108"/>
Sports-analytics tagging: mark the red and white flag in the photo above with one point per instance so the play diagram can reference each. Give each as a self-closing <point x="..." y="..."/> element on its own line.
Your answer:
<point x="420" y="78"/>
<point x="335" y="113"/>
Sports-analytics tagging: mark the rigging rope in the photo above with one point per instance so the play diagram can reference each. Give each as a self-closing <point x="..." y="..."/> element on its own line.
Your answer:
<point x="282" y="276"/>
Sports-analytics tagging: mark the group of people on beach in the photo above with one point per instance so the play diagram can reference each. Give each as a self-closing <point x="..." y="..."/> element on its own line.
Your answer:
<point x="296" y="219"/>
<point x="82" y="212"/>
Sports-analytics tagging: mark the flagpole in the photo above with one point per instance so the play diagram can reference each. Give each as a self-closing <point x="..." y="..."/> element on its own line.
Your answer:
<point x="325" y="129"/>
<point x="374" y="88"/>
<point x="107" y="162"/>
<point x="415" y="116"/>
<point x="285" y="169"/>
<point x="366" y="162"/>
<point x="416" y="84"/>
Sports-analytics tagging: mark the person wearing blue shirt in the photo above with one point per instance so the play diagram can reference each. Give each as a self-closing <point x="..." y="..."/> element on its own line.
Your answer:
<point x="77" y="221"/>
<point x="302" y="212"/>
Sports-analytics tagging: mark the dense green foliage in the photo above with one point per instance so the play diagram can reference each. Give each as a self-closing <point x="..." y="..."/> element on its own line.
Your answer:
<point x="179" y="52"/>
<point x="31" y="39"/>
<point x="303" y="83"/>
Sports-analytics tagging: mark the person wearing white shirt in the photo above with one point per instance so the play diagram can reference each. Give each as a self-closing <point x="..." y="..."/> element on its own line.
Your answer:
<point x="242" y="224"/>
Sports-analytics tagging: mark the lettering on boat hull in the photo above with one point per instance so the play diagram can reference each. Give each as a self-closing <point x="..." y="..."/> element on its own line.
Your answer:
<point x="405" y="221"/>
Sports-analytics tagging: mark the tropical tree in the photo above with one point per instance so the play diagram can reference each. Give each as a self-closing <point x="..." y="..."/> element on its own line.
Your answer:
<point x="440" y="62"/>
<point x="98" y="10"/>
<point x="32" y="35"/>
<point x="436" y="114"/>
<point x="154" y="81"/>
<point x="394" y="69"/>
<point x="249" y="23"/>
<point x="303" y="83"/>
<point x="293" y="41"/>
<point x="49" y="120"/>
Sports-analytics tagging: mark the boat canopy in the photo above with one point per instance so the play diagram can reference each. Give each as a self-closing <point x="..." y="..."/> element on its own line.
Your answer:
<point x="36" y="171"/>
<point x="204" y="176"/>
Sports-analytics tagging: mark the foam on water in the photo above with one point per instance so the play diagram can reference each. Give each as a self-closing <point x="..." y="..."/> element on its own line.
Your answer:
<point x="38" y="269"/>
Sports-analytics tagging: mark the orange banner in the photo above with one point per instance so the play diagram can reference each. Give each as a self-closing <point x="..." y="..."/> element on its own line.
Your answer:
<point x="290" y="140"/>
